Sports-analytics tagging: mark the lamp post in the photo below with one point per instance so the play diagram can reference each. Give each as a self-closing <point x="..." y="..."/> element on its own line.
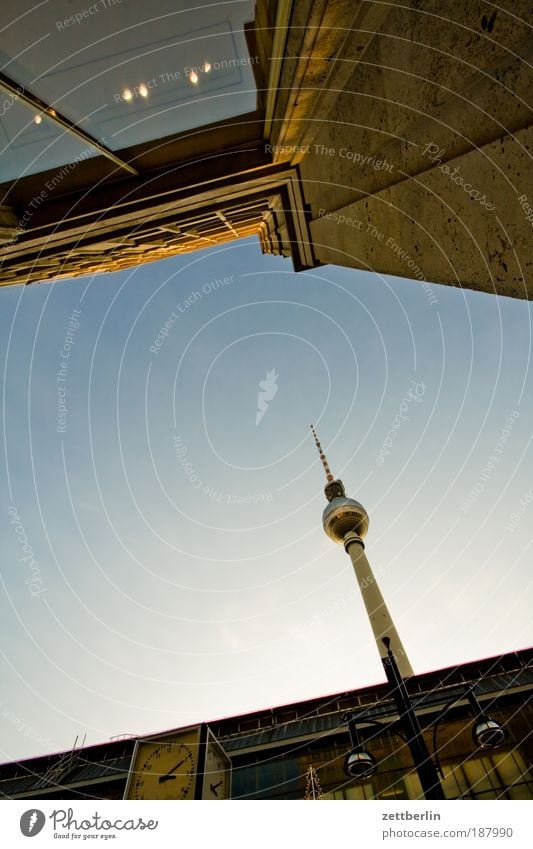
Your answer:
<point x="411" y="733"/>
<point x="422" y="760"/>
<point x="360" y="764"/>
<point x="486" y="732"/>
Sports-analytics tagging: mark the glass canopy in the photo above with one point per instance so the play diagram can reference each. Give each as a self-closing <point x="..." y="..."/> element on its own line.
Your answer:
<point x="31" y="142"/>
<point x="123" y="72"/>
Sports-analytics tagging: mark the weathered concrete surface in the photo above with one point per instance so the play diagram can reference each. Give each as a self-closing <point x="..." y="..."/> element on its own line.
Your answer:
<point x="414" y="119"/>
<point x="431" y="220"/>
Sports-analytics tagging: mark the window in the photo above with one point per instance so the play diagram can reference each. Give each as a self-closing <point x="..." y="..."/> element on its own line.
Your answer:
<point x="502" y="774"/>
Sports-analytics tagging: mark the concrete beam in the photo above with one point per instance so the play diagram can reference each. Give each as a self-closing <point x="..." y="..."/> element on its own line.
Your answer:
<point x="413" y="120"/>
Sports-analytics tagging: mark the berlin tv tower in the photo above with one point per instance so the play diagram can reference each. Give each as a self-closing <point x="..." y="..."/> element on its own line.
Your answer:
<point x="346" y="521"/>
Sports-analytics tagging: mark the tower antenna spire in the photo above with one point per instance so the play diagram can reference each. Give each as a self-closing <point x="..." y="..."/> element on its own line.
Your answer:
<point x="329" y="476"/>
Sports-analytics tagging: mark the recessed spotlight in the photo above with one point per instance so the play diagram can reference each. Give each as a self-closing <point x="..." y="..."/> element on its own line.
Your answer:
<point x="127" y="95"/>
<point x="193" y="77"/>
<point x="52" y="112"/>
<point x="143" y="91"/>
<point x="37" y="119"/>
<point x="207" y="68"/>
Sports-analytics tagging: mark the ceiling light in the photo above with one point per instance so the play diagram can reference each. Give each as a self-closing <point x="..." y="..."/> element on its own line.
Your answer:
<point x="37" y="119"/>
<point x="127" y="95"/>
<point x="207" y="68"/>
<point x="143" y="91"/>
<point x="193" y="77"/>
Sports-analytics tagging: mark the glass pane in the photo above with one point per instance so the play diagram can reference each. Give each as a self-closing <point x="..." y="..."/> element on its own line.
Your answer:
<point x="30" y="142"/>
<point x="354" y="793"/>
<point x="520" y="791"/>
<point x="413" y="788"/>
<point x="131" y="72"/>
<point x="454" y="783"/>
<point x="478" y="776"/>
<point x="510" y="766"/>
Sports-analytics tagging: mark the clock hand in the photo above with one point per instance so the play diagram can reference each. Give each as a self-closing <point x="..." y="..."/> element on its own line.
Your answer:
<point x="168" y="776"/>
<point x="213" y="787"/>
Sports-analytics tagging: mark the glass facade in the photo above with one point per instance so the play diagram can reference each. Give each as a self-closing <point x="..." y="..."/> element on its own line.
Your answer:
<point x="500" y="774"/>
<point x="468" y="772"/>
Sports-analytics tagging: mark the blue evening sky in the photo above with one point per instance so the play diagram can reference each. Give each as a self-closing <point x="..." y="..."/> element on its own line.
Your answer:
<point x="163" y="560"/>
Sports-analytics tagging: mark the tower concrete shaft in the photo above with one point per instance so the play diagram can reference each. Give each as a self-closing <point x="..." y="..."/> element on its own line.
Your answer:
<point x="378" y="614"/>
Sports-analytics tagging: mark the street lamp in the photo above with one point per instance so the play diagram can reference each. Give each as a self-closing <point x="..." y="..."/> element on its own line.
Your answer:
<point x="424" y="764"/>
<point x="360" y="764"/>
<point x="486" y="732"/>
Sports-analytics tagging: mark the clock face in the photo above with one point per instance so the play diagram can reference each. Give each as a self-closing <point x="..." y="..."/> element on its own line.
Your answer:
<point x="217" y="775"/>
<point x="164" y="768"/>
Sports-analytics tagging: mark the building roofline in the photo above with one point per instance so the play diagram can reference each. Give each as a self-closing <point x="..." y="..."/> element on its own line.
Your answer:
<point x="382" y="685"/>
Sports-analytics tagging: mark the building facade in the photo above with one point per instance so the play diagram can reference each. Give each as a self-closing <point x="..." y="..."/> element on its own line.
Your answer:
<point x="271" y="750"/>
<point x="391" y="137"/>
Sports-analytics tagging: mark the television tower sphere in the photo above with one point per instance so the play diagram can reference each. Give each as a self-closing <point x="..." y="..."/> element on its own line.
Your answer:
<point x="343" y="515"/>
